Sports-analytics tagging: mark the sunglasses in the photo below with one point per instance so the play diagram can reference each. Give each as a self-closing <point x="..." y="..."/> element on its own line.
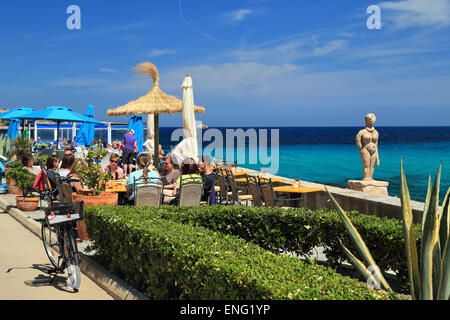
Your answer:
<point x="115" y="161"/>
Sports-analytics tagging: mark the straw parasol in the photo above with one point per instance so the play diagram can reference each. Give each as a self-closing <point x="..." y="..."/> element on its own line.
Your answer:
<point x="155" y="102"/>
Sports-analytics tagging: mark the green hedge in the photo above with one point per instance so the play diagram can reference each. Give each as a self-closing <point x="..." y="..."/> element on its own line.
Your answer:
<point x="169" y="260"/>
<point x="300" y="230"/>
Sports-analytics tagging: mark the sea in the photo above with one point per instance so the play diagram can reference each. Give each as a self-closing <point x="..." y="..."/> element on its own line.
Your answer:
<point x="328" y="155"/>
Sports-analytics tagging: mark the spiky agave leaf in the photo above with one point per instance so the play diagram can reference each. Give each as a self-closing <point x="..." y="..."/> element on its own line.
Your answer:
<point x="359" y="242"/>
<point x="444" y="224"/>
<point x="430" y="236"/>
<point x="359" y="265"/>
<point x="410" y="238"/>
<point x="444" y="284"/>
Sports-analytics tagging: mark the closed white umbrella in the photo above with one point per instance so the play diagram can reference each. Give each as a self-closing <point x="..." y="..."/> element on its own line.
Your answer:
<point x="188" y="148"/>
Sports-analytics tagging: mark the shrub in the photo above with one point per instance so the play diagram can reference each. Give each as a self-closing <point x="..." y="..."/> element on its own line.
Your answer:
<point x="169" y="260"/>
<point x="300" y="230"/>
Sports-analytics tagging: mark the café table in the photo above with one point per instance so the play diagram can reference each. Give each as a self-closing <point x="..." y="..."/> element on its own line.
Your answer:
<point x="292" y="189"/>
<point x="118" y="187"/>
<point x="297" y="190"/>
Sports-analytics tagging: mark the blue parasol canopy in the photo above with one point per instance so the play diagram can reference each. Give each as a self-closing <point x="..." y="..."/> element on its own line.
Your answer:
<point x="13" y="129"/>
<point x="87" y="131"/>
<point x="137" y="125"/>
<point x="59" y="114"/>
<point x="16" y="113"/>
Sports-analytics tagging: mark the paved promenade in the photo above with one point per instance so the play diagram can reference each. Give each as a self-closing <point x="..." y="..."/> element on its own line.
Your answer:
<point x="23" y="265"/>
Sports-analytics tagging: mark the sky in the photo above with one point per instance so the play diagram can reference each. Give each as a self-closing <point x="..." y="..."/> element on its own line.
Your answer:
<point x="253" y="62"/>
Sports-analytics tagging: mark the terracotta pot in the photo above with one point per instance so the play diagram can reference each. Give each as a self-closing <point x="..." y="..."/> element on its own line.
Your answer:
<point x="105" y="198"/>
<point x="30" y="204"/>
<point x="12" y="187"/>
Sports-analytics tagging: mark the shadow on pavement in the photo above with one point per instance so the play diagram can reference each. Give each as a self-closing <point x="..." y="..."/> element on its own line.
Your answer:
<point x="44" y="279"/>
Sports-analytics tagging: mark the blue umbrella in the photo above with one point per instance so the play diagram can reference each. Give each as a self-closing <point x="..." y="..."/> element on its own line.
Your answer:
<point x="17" y="114"/>
<point x="59" y="114"/>
<point x="13" y="129"/>
<point x="136" y="124"/>
<point x="87" y="131"/>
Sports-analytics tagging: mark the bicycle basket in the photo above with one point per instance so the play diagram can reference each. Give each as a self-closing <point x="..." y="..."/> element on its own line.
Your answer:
<point x="64" y="213"/>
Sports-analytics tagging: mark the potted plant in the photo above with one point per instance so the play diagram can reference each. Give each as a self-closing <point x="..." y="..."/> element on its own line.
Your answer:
<point x="24" y="180"/>
<point x="11" y="183"/>
<point x="96" y="179"/>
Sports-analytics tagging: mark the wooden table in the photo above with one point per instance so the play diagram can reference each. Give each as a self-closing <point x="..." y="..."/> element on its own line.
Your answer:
<point x="296" y="190"/>
<point x="117" y="187"/>
<point x="240" y="173"/>
<point x="291" y="189"/>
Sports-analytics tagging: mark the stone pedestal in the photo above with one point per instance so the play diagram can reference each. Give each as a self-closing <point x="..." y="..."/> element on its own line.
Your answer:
<point x="375" y="187"/>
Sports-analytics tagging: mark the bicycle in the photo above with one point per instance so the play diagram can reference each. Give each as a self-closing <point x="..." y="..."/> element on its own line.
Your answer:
<point x="58" y="231"/>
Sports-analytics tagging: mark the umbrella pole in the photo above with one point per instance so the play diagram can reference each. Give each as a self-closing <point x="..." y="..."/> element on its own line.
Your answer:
<point x="156" y="137"/>
<point x="57" y="135"/>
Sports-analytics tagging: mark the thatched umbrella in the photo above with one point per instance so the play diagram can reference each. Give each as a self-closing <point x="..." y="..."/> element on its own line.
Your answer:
<point x="155" y="102"/>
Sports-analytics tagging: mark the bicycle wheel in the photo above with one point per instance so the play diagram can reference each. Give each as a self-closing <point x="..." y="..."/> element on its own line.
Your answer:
<point x="72" y="258"/>
<point x="50" y="240"/>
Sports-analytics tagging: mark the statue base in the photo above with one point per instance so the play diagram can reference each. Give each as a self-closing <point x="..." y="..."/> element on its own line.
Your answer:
<point x="375" y="187"/>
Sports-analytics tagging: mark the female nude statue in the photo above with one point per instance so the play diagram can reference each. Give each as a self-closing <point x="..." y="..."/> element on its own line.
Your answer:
<point x="367" y="142"/>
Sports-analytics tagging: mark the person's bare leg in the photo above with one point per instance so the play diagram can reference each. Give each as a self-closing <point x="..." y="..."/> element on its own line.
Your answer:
<point x="125" y="168"/>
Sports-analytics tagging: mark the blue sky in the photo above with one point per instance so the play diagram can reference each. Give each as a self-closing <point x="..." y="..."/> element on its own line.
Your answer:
<point x="253" y="63"/>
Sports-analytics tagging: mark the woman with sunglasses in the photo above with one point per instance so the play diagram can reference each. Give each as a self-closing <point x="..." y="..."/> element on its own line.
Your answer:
<point x="113" y="167"/>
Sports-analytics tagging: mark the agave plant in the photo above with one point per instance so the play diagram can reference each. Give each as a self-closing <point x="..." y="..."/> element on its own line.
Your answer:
<point x="5" y="146"/>
<point x="432" y="279"/>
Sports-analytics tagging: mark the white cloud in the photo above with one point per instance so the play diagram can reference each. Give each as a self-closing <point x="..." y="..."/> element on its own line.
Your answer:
<point x="236" y="15"/>
<point x="289" y="51"/>
<point x="409" y="13"/>
<point x="160" y="52"/>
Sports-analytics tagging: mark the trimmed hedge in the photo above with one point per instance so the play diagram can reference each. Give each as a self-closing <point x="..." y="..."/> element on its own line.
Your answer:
<point x="168" y="260"/>
<point x="300" y="230"/>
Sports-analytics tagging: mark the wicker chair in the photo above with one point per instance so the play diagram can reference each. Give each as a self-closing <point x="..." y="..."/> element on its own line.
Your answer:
<point x="270" y="200"/>
<point x="236" y="198"/>
<point x="191" y="190"/>
<point x="253" y="186"/>
<point x="149" y="194"/>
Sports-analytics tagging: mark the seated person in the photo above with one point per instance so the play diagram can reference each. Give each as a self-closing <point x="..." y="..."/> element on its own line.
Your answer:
<point x="75" y="181"/>
<point x="66" y="165"/>
<point x="52" y="170"/>
<point x="113" y="167"/>
<point x="189" y="169"/>
<point x="170" y="172"/>
<point x="141" y="176"/>
<point x="28" y="161"/>
<point x="208" y="176"/>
